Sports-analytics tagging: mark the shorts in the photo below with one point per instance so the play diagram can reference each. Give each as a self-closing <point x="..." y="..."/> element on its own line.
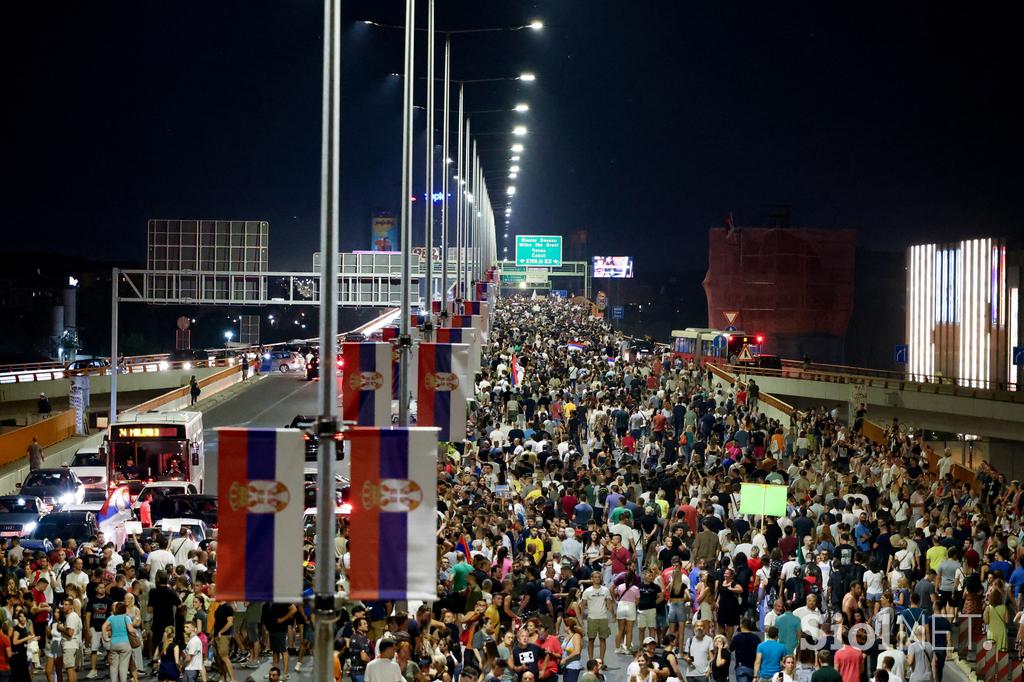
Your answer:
<point x="678" y="612"/>
<point x="239" y="623"/>
<point x="69" y="651"/>
<point x="647" y="618"/>
<point x="598" y="627"/>
<point x="662" y="619"/>
<point x="625" y="610"/>
<point x="252" y="631"/>
<point x="873" y="596"/>
<point x="222" y="647"/>
<point x="96" y="641"/>
<point x="279" y="642"/>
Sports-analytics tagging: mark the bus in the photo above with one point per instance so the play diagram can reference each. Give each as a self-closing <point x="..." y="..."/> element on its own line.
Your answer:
<point x="156" y="446"/>
<point x="703" y="346"/>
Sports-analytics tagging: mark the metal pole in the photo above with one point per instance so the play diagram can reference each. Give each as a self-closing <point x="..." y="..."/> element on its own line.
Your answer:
<point x="446" y="173"/>
<point x="115" y="282"/>
<point x="429" y="226"/>
<point x="463" y="187"/>
<point x="327" y="425"/>
<point x="405" y="340"/>
<point x="475" y="225"/>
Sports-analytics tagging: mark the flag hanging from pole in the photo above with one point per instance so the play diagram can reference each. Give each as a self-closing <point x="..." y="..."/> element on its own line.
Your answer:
<point x="443" y="388"/>
<point x="260" y="488"/>
<point x="464" y="335"/>
<point x="463" y="546"/>
<point x="394" y="520"/>
<point x="367" y="387"/>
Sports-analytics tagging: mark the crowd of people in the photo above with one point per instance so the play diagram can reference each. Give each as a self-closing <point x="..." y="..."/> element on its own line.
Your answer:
<point x="593" y="508"/>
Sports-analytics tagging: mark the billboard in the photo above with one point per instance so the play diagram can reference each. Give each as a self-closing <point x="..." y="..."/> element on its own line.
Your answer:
<point x="384" y="233"/>
<point x="539" y="250"/>
<point x="613" y="267"/>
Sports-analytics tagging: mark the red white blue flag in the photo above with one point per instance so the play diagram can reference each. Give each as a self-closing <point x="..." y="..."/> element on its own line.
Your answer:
<point x="462" y="335"/>
<point x="443" y="388"/>
<point x="394" y="519"/>
<point x="462" y="321"/>
<point x="366" y="391"/>
<point x="260" y="488"/>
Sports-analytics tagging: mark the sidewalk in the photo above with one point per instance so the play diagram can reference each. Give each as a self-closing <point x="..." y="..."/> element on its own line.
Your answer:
<point x="59" y="454"/>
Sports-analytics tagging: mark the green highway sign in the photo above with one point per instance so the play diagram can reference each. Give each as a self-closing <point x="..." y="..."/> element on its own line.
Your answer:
<point x="513" y="278"/>
<point x="539" y="250"/>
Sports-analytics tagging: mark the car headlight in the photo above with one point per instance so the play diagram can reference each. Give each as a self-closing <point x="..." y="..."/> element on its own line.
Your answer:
<point x="28" y="527"/>
<point x="66" y="498"/>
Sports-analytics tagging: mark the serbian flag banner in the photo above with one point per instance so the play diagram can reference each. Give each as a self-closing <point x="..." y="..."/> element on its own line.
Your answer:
<point x="462" y="321"/>
<point x="463" y="546"/>
<point x="394" y="519"/>
<point x="443" y="388"/>
<point x="416" y="319"/>
<point x="435" y="307"/>
<point x="260" y="488"/>
<point x="388" y="333"/>
<point x="367" y="387"/>
<point x="479" y="310"/>
<point x="464" y="335"/>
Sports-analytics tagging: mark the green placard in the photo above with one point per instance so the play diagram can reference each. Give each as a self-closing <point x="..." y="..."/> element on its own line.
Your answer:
<point x="763" y="499"/>
<point x="538" y="250"/>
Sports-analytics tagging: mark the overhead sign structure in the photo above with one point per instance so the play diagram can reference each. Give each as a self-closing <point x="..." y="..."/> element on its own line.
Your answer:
<point x="761" y="499"/>
<point x="539" y="250"/>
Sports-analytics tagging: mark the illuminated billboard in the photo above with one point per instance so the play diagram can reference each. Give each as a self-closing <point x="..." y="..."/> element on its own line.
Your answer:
<point x="613" y="267"/>
<point x="539" y="250"/>
<point x="958" y="313"/>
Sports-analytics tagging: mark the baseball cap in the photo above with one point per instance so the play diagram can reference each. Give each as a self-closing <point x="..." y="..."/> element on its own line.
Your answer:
<point x="650" y="640"/>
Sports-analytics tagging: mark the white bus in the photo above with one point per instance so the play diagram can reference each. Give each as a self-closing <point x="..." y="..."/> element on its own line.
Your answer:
<point x="156" y="446"/>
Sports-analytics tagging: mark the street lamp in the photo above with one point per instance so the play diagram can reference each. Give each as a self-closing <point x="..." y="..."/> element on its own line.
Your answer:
<point x="521" y="108"/>
<point x="519" y="131"/>
<point x="528" y="77"/>
<point x="511" y="191"/>
<point x="514" y="169"/>
<point x="536" y="25"/>
<point x="517" y="148"/>
<point x="228" y="335"/>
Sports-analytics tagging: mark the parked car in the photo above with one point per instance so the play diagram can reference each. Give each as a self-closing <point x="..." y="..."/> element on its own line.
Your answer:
<point x="19" y="515"/>
<point x="201" y="533"/>
<point x="307" y="425"/>
<point x="159" y="490"/>
<point x="79" y="526"/>
<point x="90" y="467"/>
<point x="77" y="366"/>
<point x="55" y="487"/>
<point x="283" y="361"/>
<point x="202" y="507"/>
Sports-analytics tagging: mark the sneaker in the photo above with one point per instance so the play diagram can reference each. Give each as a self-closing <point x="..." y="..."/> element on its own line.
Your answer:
<point x="93" y="675"/>
<point x="298" y="667"/>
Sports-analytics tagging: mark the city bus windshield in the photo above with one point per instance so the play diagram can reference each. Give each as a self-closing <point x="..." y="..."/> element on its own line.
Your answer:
<point x="154" y="459"/>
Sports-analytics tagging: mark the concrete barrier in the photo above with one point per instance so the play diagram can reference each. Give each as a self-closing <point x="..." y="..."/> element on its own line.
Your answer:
<point x="100" y="384"/>
<point x="767" y="404"/>
<point x="14" y="444"/>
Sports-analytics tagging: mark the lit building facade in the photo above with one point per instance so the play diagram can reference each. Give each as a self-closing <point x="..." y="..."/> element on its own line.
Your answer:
<point x="963" y="313"/>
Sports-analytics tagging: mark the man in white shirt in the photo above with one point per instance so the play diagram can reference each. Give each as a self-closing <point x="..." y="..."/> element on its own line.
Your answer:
<point x="159" y="560"/>
<point x="571" y="547"/>
<point x="383" y="668"/>
<point x="181" y="546"/>
<point x="597" y="613"/>
<point x="810" y="616"/>
<point x="697" y="653"/>
<point x="789" y="569"/>
<point x="71" y="642"/>
<point x="193" y="653"/>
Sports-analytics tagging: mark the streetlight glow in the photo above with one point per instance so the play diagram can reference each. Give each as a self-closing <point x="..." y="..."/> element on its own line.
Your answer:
<point x="513" y="176"/>
<point x="519" y="131"/>
<point x="515" y="158"/>
<point x="511" y="191"/>
<point x="536" y="25"/>
<point x="528" y="77"/>
<point x="229" y="335"/>
<point x="518" y="148"/>
<point x="522" y="108"/>
<point x="514" y="169"/>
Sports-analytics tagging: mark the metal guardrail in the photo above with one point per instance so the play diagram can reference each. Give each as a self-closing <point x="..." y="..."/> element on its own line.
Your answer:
<point x="767" y="399"/>
<point x="911" y="377"/>
<point x="792" y="370"/>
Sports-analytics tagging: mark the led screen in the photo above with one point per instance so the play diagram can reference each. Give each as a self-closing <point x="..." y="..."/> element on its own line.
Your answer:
<point x="613" y="267"/>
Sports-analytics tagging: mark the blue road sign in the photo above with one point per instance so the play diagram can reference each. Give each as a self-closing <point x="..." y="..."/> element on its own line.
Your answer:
<point x="1018" y="356"/>
<point x="731" y="328"/>
<point x="719" y="342"/>
<point x="901" y="353"/>
<point x="618" y="312"/>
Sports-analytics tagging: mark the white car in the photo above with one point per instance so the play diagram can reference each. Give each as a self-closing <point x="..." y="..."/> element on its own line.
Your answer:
<point x="200" y="531"/>
<point x="93" y="507"/>
<point x="90" y="467"/>
<point x="309" y="474"/>
<point x="161" y="489"/>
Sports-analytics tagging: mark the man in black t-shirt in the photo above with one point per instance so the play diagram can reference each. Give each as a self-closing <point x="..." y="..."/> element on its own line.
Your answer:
<point x="360" y="648"/>
<point x="96" y="613"/>
<point x="526" y="656"/>
<point x="223" y="621"/>
<point x="647" y="606"/>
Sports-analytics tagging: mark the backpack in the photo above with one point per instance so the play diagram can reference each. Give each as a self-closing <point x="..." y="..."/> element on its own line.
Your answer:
<point x="797" y="597"/>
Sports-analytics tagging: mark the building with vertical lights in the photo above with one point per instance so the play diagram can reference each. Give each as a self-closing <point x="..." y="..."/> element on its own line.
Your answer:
<point x="963" y="313"/>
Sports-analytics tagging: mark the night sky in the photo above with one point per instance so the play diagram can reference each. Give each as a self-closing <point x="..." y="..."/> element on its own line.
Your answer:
<point x="649" y="121"/>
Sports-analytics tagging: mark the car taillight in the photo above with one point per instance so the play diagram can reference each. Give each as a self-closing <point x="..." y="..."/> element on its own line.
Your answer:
<point x="305" y="436"/>
<point x="339" y="436"/>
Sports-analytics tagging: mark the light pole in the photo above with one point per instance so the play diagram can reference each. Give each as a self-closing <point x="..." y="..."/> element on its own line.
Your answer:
<point x="327" y="424"/>
<point x="446" y="172"/>
<point x="405" y="340"/>
<point x="429" y="226"/>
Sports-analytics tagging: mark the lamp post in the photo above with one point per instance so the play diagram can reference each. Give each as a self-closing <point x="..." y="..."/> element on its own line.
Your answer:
<point x="405" y="340"/>
<point x="327" y="424"/>
<point x="429" y="225"/>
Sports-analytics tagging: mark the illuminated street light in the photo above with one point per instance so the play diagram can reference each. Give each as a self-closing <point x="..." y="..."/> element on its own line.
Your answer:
<point x="229" y="335"/>
<point x="514" y="169"/>
<point x="511" y="191"/>
<point x="519" y="131"/>
<point x="513" y="176"/>
<point x="515" y="158"/>
<point x="528" y="77"/>
<point x="517" y="148"/>
<point x="521" y="108"/>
